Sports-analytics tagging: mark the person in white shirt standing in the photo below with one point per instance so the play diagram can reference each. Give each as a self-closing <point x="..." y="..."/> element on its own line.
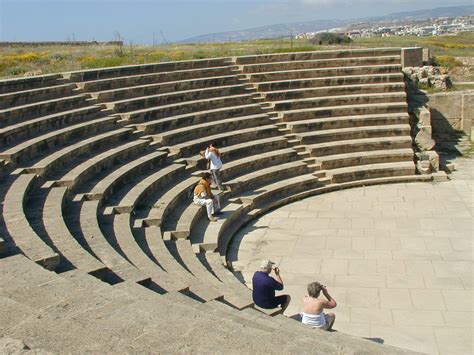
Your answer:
<point x="212" y="154"/>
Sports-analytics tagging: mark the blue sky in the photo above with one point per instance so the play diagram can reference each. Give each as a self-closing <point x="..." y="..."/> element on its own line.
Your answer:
<point x="137" y="20"/>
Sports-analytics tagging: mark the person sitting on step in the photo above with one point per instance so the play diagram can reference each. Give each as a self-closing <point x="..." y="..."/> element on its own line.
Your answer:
<point x="264" y="287"/>
<point x="213" y="156"/>
<point x="204" y="197"/>
<point x="313" y="307"/>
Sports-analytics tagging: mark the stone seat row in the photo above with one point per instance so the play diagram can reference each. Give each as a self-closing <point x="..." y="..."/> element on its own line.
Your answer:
<point x="98" y="230"/>
<point x="320" y="63"/>
<point x="18" y="98"/>
<point x="329" y="54"/>
<point x="329" y="81"/>
<point x="100" y="305"/>
<point x="16" y="114"/>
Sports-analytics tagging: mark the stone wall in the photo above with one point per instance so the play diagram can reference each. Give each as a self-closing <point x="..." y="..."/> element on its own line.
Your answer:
<point x="453" y="111"/>
<point x="412" y="57"/>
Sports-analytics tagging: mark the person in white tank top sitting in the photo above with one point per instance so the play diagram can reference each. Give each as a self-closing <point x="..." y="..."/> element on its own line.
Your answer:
<point x="313" y="307"/>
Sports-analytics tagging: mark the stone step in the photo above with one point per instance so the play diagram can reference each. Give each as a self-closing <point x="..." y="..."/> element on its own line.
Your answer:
<point x="188" y="107"/>
<point x="324" y="72"/>
<point x="180" y="135"/>
<point x="154" y="88"/>
<point x="158" y="249"/>
<point x="26" y="112"/>
<point x="153" y="78"/>
<point x="353" y="133"/>
<point x="94" y="240"/>
<point x="262" y="146"/>
<point x="196" y="118"/>
<point x="321" y="63"/>
<point x="274" y="191"/>
<point x="27" y="129"/>
<point x="187" y="220"/>
<point x="206" y="236"/>
<point x="86" y="146"/>
<point x="225" y="139"/>
<point x="359" y="145"/>
<point x="214" y="262"/>
<point x="31" y="95"/>
<point x="71" y="251"/>
<point x="254" y="179"/>
<point x="137" y="195"/>
<point x="39" y="146"/>
<point x="124" y="174"/>
<point x="175" y="97"/>
<point x="340" y="100"/>
<point x="18" y="227"/>
<point x="102" y="161"/>
<point x="170" y="199"/>
<point x="126" y="242"/>
<point x="114" y="72"/>
<point x="345" y="110"/>
<point x="361" y="172"/>
<point x="347" y="121"/>
<point x="63" y="305"/>
<point x="331" y="81"/>
<point x="27" y="83"/>
<point x="325" y="91"/>
<point x="340" y="53"/>
<point x="365" y="158"/>
<point x="183" y="252"/>
<point x="256" y="162"/>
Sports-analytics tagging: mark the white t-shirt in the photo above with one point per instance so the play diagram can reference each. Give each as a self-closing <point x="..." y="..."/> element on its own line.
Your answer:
<point x="216" y="162"/>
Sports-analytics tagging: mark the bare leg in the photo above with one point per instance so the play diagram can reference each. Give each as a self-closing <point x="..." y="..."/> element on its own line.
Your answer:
<point x="331" y="318"/>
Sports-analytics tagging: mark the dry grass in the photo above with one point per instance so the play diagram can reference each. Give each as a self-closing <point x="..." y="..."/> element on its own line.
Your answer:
<point x="16" y="61"/>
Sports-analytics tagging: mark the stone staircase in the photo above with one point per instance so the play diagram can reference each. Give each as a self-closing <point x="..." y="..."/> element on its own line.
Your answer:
<point x="96" y="168"/>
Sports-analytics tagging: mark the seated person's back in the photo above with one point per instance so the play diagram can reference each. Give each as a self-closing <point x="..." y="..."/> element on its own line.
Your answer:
<point x="264" y="287"/>
<point x="313" y="307"/>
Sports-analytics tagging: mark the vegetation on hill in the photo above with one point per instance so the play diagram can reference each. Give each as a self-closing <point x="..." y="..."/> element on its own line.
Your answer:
<point x="330" y="38"/>
<point x="18" y="61"/>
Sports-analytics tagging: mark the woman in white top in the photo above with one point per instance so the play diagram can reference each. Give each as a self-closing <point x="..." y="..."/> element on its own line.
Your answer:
<point x="313" y="307"/>
<point x="213" y="155"/>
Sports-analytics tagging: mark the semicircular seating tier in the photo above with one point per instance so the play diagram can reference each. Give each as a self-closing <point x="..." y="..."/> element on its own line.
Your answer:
<point x="97" y="166"/>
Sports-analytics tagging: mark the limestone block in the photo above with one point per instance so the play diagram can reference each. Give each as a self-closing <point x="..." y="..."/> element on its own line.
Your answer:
<point x="424" y="116"/>
<point x="433" y="158"/>
<point x="423" y="139"/>
<point x="423" y="167"/>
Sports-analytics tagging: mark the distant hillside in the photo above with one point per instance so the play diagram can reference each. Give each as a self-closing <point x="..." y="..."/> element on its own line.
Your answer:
<point x="284" y="30"/>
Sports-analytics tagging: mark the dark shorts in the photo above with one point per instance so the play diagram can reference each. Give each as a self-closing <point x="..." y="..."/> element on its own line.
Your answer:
<point x="274" y="303"/>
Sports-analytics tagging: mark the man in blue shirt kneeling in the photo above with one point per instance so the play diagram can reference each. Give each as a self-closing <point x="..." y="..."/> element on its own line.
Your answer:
<point x="264" y="287"/>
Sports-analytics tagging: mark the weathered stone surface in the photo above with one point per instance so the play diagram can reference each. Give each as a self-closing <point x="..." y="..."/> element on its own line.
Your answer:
<point x="431" y="157"/>
<point x="423" y="139"/>
<point x="424" y="116"/>
<point x="429" y="76"/>
<point x="16" y="347"/>
<point x="423" y="166"/>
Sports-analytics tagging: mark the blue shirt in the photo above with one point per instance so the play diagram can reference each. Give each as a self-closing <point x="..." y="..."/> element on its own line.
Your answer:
<point x="264" y="287"/>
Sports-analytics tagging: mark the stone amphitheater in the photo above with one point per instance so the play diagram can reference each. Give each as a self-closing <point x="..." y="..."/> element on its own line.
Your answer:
<point x="101" y="248"/>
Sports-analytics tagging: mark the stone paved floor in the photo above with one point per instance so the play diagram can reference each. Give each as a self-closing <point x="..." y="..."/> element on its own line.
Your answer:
<point x="397" y="258"/>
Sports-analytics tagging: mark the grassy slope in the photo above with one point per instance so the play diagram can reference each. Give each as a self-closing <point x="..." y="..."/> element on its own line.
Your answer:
<point x="51" y="59"/>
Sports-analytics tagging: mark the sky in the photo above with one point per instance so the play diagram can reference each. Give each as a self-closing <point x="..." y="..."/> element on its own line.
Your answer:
<point x="141" y="21"/>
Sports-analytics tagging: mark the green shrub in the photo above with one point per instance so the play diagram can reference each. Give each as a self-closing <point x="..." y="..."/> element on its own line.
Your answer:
<point x="330" y="38"/>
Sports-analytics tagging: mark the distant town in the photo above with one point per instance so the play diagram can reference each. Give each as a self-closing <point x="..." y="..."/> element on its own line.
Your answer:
<point x="429" y="27"/>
